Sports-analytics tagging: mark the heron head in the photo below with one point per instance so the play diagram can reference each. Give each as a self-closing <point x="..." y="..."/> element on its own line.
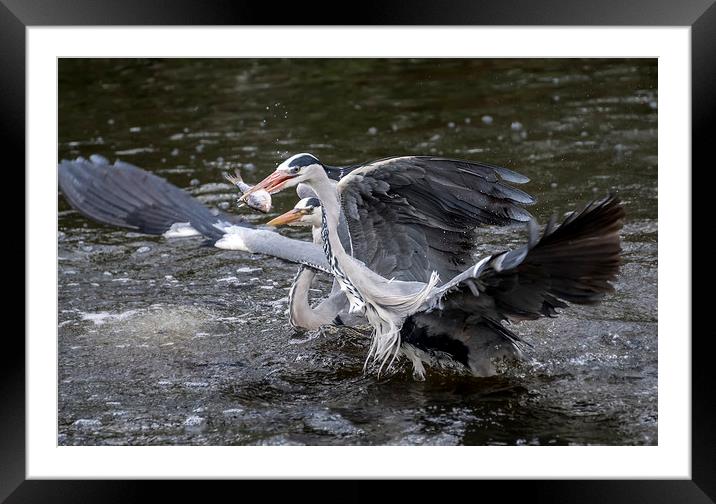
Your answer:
<point x="296" y="169"/>
<point x="307" y="212"/>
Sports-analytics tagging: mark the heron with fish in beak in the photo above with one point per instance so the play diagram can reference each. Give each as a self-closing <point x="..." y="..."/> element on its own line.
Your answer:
<point x="391" y="205"/>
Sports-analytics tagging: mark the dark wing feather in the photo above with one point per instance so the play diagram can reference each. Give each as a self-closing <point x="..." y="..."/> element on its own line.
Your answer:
<point x="575" y="262"/>
<point x="409" y="216"/>
<point x="124" y="195"/>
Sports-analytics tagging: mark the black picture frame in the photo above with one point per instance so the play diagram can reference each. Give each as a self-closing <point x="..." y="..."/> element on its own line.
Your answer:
<point x="700" y="15"/>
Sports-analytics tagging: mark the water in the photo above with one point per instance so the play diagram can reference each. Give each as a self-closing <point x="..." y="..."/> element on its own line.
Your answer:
<point x="171" y="342"/>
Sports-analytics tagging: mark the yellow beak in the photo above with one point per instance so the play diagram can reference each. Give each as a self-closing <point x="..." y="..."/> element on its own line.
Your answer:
<point x="287" y="218"/>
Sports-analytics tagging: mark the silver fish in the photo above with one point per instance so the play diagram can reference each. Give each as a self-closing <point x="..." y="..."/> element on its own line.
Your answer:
<point x="260" y="200"/>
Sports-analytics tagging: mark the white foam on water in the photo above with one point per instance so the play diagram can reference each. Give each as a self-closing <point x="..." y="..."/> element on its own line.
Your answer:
<point x="238" y="318"/>
<point x="104" y="317"/>
<point x="249" y="269"/>
<point x="194" y="421"/>
<point x="192" y="384"/>
<point x="180" y="230"/>
<point x="138" y="150"/>
<point x="86" y="423"/>
<point x="232" y="411"/>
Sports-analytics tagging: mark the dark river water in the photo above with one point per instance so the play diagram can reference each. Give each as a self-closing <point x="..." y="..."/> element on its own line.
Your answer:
<point x="170" y="342"/>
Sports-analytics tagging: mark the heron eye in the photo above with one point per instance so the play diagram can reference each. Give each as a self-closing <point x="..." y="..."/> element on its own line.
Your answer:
<point x="294" y="170"/>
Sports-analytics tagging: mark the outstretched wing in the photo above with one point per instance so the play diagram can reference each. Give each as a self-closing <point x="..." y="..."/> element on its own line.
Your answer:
<point x="124" y="195"/>
<point x="575" y="262"/>
<point x="410" y="216"/>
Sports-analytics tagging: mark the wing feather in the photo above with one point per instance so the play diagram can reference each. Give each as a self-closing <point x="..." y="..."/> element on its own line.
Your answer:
<point x="575" y="262"/>
<point x="410" y="216"/>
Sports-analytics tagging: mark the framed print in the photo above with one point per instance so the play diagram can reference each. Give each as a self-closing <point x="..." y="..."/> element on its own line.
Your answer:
<point x="434" y="327"/>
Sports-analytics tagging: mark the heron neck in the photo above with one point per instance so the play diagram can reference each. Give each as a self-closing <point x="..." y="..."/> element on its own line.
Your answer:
<point x="301" y="315"/>
<point x="328" y="194"/>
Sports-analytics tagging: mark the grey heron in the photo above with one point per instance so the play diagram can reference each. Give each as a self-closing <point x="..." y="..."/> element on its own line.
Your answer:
<point x="124" y="195"/>
<point x="575" y="262"/>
